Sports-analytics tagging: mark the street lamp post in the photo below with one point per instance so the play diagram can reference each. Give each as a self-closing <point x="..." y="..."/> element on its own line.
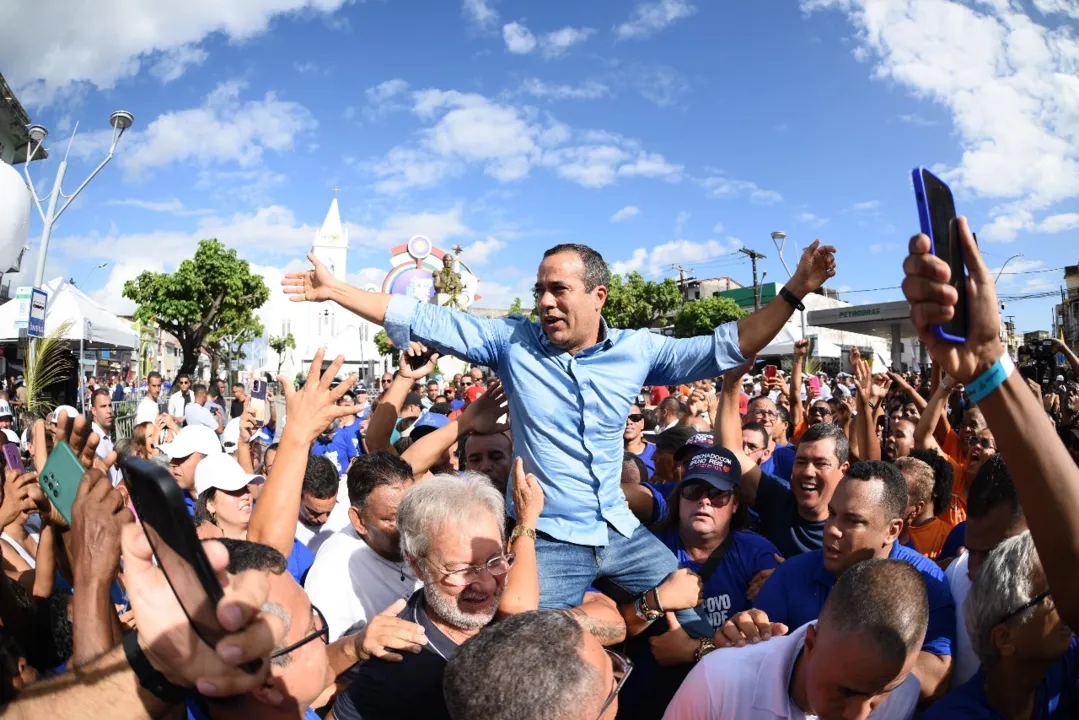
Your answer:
<point x="780" y="238"/>
<point x="82" y="283"/>
<point x="120" y="120"/>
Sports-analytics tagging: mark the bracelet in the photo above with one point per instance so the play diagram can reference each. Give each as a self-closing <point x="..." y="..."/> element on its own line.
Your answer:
<point x="983" y="385"/>
<point x="149" y="677"/>
<point x="522" y="531"/>
<point x="703" y="649"/>
<point x="659" y="605"/>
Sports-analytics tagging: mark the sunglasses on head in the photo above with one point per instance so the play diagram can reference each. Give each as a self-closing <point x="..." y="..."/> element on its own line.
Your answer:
<point x="695" y="491"/>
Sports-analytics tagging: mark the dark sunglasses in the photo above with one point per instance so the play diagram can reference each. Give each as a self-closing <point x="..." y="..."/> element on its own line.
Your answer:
<point x="387" y="381"/>
<point x="322" y="631"/>
<point x="820" y="410"/>
<point x="695" y="491"/>
<point x="636" y="418"/>
<point x="1024" y="607"/>
<point x="984" y="443"/>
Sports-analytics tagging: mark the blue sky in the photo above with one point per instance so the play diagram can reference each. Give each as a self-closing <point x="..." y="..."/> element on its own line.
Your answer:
<point x="660" y="132"/>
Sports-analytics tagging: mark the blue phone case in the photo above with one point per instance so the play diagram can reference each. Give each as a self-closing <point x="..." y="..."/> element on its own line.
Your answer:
<point x="922" y="198"/>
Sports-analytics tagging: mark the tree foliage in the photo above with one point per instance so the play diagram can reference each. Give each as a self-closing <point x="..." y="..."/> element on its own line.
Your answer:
<point x="210" y="297"/>
<point x="279" y="344"/>
<point x="515" y="308"/>
<point x="385" y="347"/>
<point x="701" y="317"/>
<point x="633" y="302"/>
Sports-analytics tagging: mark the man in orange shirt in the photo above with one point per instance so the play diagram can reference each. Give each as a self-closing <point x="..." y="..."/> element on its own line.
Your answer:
<point x="921" y="527"/>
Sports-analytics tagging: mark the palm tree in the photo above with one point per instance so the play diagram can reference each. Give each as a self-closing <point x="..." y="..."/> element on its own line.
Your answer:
<point x="48" y="364"/>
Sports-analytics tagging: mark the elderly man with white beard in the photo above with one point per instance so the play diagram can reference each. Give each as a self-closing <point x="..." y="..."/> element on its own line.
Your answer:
<point x="453" y="535"/>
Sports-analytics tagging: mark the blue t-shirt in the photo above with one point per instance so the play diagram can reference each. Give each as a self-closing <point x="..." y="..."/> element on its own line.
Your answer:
<point x="956" y="539"/>
<point x="646" y="458"/>
<point x="796" y="591"/>
<point x="196" y="710"/>
<point x="1056" y="696"/>
<point x="300" y="561"/>
<point x="339" y="450"/>
<point x="780" y="521"/>
<point x="351" y="434"/>
<point x="781" y="464"/>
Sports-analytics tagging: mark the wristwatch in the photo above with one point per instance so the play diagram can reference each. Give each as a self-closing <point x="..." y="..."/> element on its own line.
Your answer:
<point x="522" y="531"/>
<point x="149" y="677"/>
<point x="791" y="298"/>
<point x="706" y="647"/>
<point x="646" y="612"/>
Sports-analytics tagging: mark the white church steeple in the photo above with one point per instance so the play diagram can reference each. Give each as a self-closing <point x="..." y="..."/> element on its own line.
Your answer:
<point x="331" y="241"/>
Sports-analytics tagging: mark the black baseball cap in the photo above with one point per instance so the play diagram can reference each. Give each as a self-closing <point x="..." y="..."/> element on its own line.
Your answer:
<point x="411" y="399"/>
<point x="674" y="438"/>
<point x="697" y="442"/>
<point x="717" y="466"/>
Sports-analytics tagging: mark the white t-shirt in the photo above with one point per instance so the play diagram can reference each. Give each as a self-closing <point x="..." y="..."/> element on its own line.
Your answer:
<point x="751" y="683"/>
<point x="104" y="447"/>
<point x="373" y="584"/>
<point x="198" y="415"/>
<point x="19" y="549"/>
<point x="966" y="663"/>
<point x="176" y="405"/>
<point x="147" y="411"/>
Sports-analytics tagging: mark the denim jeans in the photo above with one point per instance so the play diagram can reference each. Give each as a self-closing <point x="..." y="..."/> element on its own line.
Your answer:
<point x="622" y="569"/>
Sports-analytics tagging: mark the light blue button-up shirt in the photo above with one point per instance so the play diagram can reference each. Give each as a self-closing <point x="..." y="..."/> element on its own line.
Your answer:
<point x="568" y="412"/>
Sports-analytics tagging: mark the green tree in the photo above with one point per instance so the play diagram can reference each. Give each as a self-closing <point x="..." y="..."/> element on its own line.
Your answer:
<point x="210" y="296"/>
<point x="701" y="317"/>
<point x="515" y="308"/>
<point x="633" y="302"/>
<point x="382" y="342"/>
<point x="279" y="345"/>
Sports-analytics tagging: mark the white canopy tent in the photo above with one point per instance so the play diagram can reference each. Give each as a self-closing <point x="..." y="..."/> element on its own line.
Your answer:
<point x="95" y="326"/>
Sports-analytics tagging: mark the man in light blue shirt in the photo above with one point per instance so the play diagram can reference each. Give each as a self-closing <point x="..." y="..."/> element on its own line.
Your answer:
<point x="571" y="380"/>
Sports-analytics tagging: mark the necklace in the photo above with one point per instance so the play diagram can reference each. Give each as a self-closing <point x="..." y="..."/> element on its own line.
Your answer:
<point x="399" y="567"/>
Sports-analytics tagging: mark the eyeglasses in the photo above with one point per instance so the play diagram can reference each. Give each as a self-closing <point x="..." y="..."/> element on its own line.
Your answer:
<point x="322" y="631"/>
<point x="497" y="566"/>
<point x="636" y="418"/>
<point x="1024" y="607"/>
<point x="764" y="413"/>
<point x="820" y="410"/>
<point x="984" y="443"/>
<point x="622" y="666"/>
<point x="387" y="381"/>
<point x="466" y="384"/>
<point x="695" y="491"/>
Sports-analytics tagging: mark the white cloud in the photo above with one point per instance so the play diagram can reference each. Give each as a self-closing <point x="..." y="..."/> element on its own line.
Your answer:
<point x="722" y="186"/>
<point x="917" y="120"/>
<point x="1061" y="7"/>
<point x="480" y="252"/>
<point x="588" y="90"/>
<point x="111" y="296"/>
<point x="172" y="206"/>
<point x="1011" y="86"/>
<point x="660" y="259"/>
<point x="867" y="206"/>
<point x="480" y="12"/>
<point x="680" y="222"/>
<point x="651" y="17"/>
<point x="1059" y="223"/>
<point x="507" y="142"/>
<point x="386" y="91"/>
<point x="102" y="43"/>
<point x="625" y="213"/>
<point x="519" y="39"/>
<point x="809" y="218"/>
<point x="174" y="63"/>
<point x="880" y="248"/>
<point x="662" y="86"/>
<point x="222" y="130"/>
<point x="718" y="228"/>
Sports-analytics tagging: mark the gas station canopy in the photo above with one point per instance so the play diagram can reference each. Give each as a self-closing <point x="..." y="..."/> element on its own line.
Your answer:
<point x="890" y="321"/>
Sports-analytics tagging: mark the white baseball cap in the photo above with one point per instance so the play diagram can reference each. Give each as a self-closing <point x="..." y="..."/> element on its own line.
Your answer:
<point x="5" y="409"/>
<point x="11" y="435"/>
<point x="221" y="471"/>
<point x="72" y="413"/>
<point x="192" y="439"/>
<point x="230" y="436"/>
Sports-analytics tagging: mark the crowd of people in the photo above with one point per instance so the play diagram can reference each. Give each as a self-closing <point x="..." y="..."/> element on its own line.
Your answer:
<point x="589" y="523"/>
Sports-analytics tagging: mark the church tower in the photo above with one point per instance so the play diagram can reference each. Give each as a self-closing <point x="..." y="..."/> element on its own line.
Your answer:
<point x="331" y="248"/>
<point x="331" y="242"/>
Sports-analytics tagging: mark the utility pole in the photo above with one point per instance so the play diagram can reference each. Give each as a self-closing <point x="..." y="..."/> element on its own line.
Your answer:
<point x="754" y="256"/>
<point x="681" y="280"/>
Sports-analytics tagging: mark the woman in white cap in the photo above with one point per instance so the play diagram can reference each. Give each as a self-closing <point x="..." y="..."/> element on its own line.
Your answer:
<point x="223" y="507"/>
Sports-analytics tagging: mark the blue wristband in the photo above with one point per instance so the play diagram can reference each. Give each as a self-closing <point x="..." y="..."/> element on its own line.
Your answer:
<point x="991" y="379"/>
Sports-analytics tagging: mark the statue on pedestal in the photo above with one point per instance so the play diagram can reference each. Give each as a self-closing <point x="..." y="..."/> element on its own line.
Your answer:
<point x="448" y="285"/>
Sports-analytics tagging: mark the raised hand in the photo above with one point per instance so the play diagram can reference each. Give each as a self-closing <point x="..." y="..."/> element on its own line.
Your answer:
<point x="733" y="378"/>
<point x="17" y="495"/>
<point x="878" y="389"/>
<point x="815" y="267"/>
<point x="801" y="348"/>
<point x="98" y="516"/>
<point x="415" y="350"/>
<point x="932" y="302"/>
<point x="168" y="639"/>
<point x="315" y="285"/>
<point x="482" y="415"/>
<point x="311" y="410"/>
<point x="527" y="496"/>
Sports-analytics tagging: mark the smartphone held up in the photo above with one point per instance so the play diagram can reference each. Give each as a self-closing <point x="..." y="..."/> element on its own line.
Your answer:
<point x="936" y="213"/>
